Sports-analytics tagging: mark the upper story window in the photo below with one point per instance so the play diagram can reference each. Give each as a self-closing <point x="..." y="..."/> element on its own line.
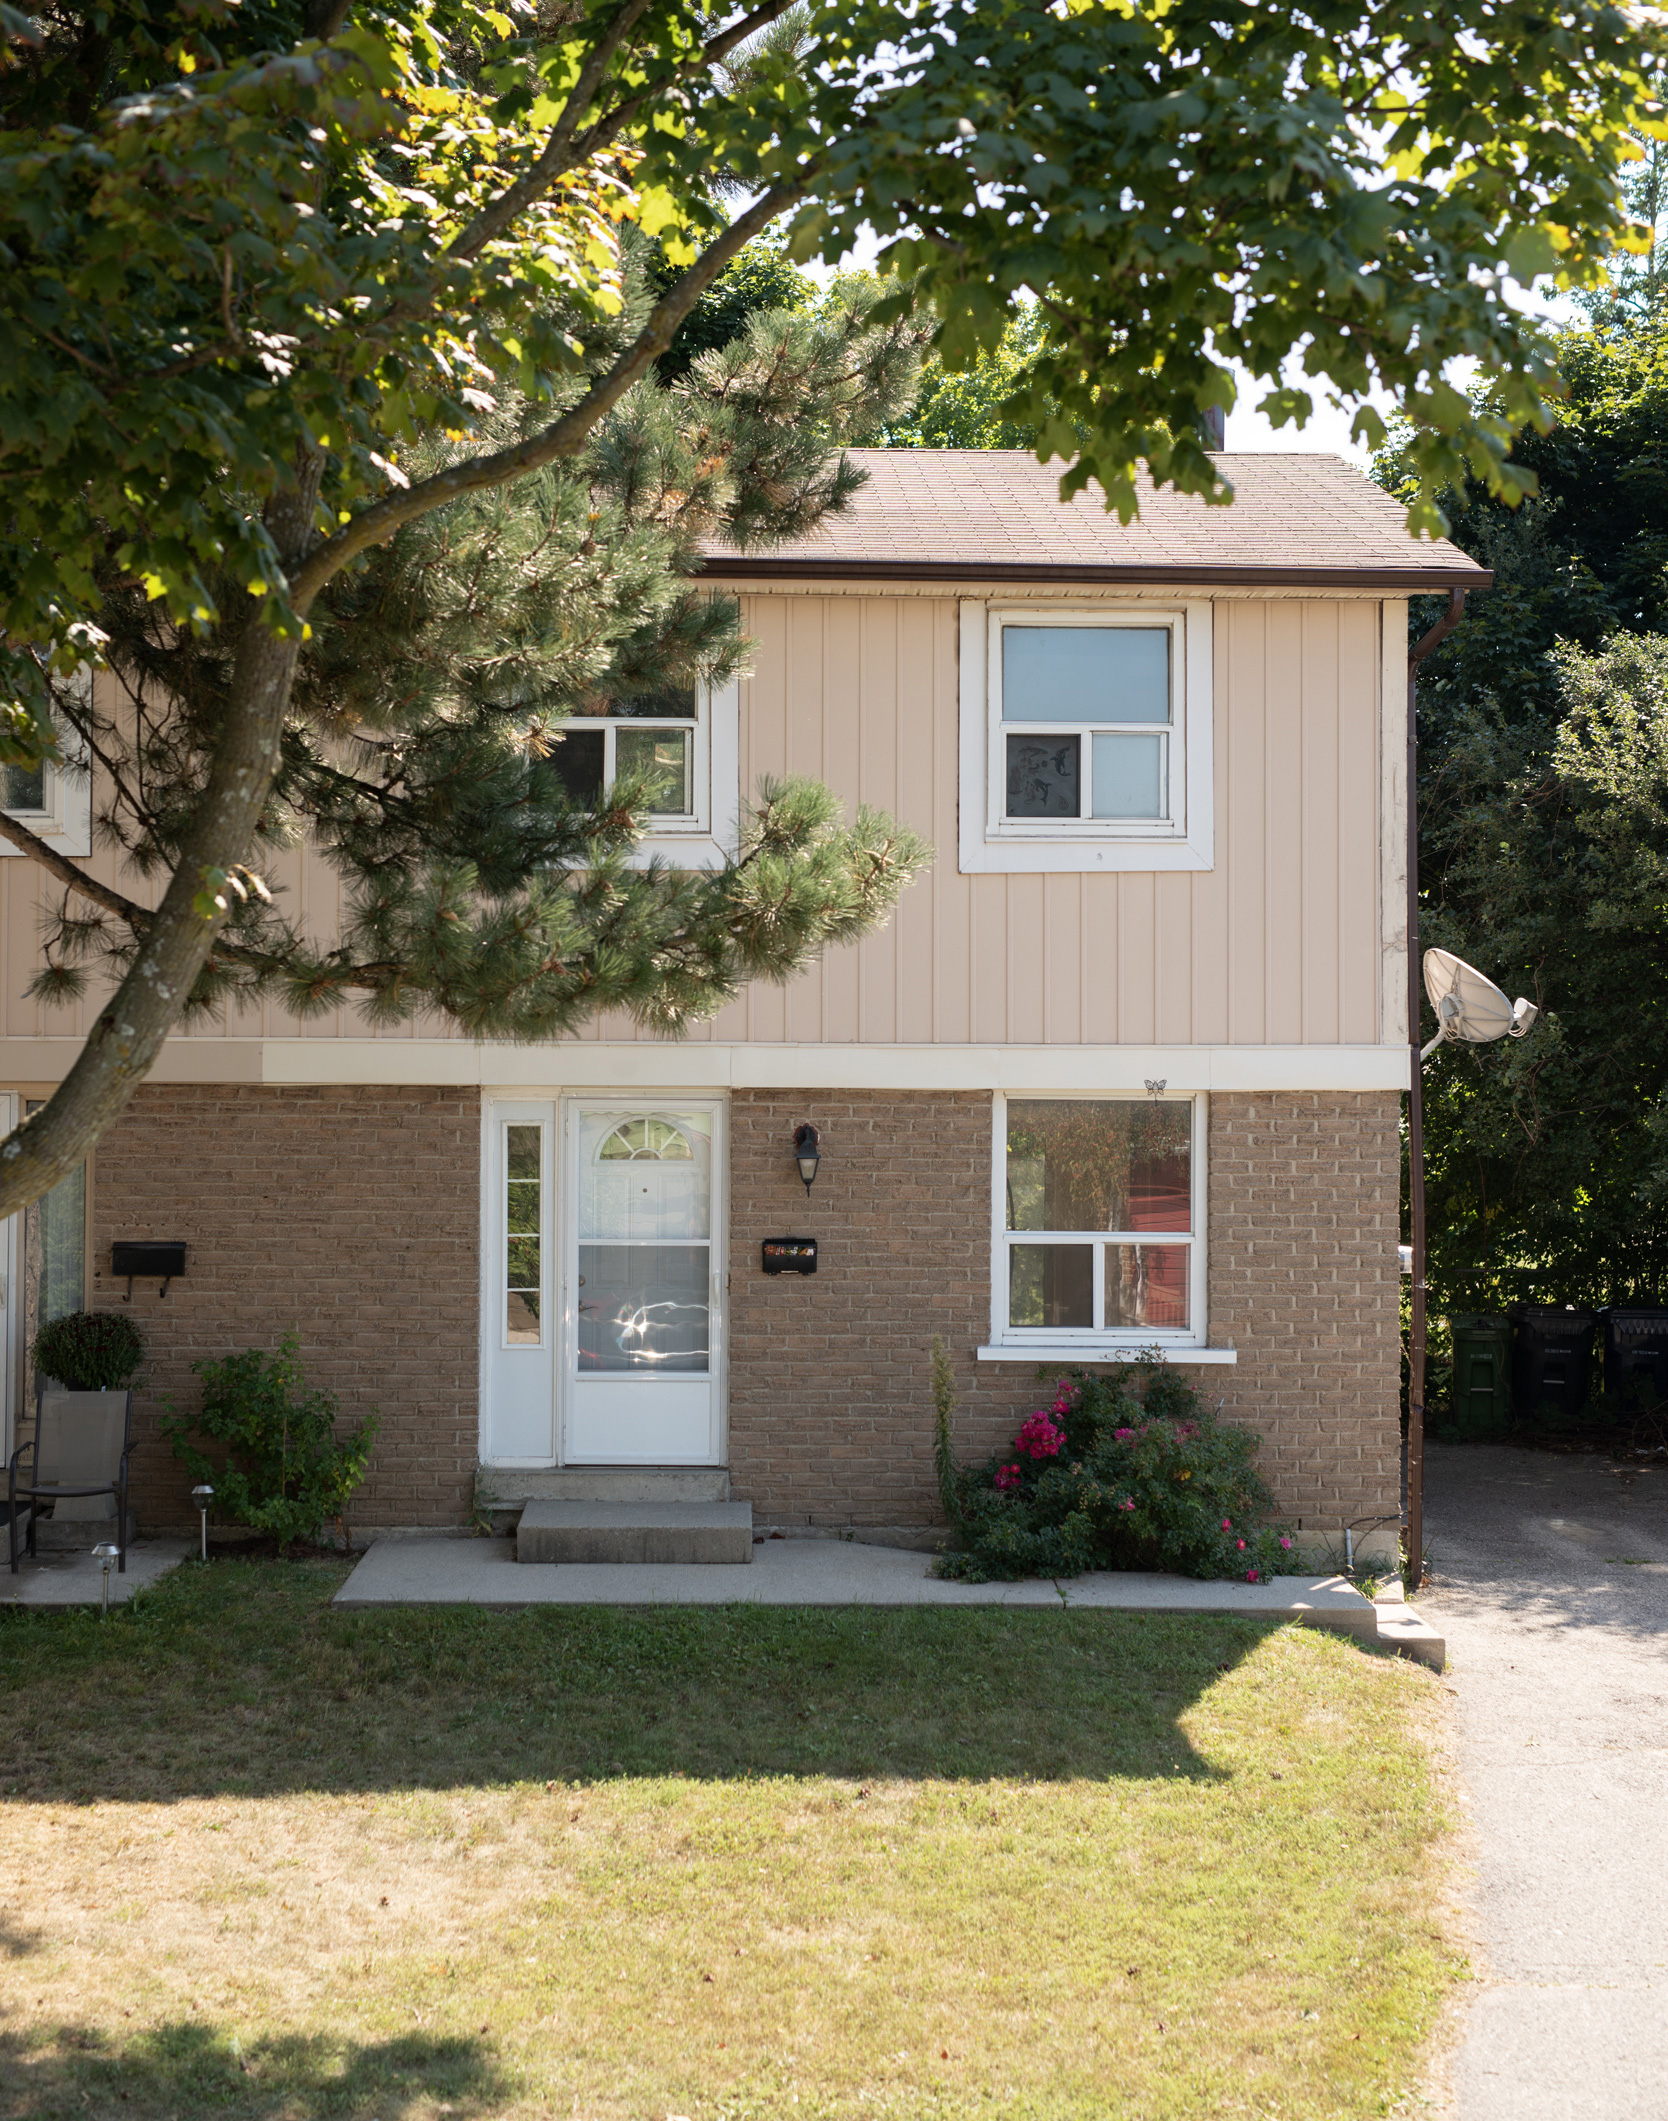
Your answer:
<point x="55" y="805"/>
<point x="656" y="733"/>
<point x="687" y="739"/>
<point x="1087" y="727"/>
<point x="1086" y="740"/>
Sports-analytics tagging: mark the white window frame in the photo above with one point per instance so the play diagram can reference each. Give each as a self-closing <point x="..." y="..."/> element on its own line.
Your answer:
<point x="1088" y="1344"/>
<point x="65" y="819"/>
<point x="704" y="838"/>
<point x="992" y="842"/>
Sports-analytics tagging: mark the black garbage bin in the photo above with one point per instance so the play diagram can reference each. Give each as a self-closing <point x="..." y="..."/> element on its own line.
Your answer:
<point x="1551" y="1365"/>
<point x="1480" y="1401"/>
<point x="1636" y="1354"/>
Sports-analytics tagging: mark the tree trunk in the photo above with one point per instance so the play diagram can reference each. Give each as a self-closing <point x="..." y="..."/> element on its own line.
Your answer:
<point x="124" y="1043"/>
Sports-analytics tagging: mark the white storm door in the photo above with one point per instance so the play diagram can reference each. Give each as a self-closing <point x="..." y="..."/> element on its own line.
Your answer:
<point x="642" y="1311"/>
<point x="519" y="1323"/>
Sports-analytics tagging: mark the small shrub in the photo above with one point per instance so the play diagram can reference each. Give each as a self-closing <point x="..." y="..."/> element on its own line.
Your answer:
<point x="1105" y="1478"/>
<point x="90" y="1351"/>
<point x="286" y="1473"/>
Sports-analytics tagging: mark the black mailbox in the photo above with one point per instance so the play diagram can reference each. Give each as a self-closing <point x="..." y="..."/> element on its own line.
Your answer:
<point x="790" y="1255"/>
<point x="144" y="1258"/>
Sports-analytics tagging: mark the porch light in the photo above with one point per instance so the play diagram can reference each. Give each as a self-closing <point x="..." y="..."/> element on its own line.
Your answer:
<point x="107" y="1554"/>
<point x="202" y="1496"/>
<point x="805" y="1152"/>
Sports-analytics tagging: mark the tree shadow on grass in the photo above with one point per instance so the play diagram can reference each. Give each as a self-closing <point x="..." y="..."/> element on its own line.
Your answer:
<point x="179" y="2067"/>
<point x="241" y="1680"/>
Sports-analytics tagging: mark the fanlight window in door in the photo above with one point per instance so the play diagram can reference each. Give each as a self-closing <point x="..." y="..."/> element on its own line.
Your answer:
<point x="645" y="1243"/>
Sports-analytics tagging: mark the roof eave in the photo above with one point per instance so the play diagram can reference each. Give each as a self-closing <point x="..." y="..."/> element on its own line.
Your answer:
<point x="1396" y="580"/>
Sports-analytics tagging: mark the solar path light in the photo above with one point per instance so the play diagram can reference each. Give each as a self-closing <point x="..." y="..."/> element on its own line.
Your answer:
<point x="202" y="1496"/>
<point x="107" y="1554"/>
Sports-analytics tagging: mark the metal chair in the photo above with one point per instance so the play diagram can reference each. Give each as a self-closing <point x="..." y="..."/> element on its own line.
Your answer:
<point x="76" y="1461"/>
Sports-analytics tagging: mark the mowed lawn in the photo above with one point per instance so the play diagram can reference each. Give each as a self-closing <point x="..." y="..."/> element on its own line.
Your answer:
<point x="258" y="1857"/>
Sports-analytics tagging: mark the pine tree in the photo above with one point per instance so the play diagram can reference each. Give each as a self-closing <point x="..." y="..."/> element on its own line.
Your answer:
<point x="446" y="733"/>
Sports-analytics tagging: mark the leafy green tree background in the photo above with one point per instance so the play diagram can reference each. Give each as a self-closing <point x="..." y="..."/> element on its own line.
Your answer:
<point x="1543" y="730"/>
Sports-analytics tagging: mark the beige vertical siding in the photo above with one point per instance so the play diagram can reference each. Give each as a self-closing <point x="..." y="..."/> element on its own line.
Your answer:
<point x="1279" y="943"/>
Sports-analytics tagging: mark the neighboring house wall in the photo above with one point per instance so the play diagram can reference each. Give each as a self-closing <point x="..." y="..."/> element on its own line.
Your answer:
<point x="830" y="1412"/>
<point x="351" y="1216"/>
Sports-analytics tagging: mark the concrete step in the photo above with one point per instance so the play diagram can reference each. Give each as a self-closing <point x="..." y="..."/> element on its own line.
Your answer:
<point x="553" y="1530"/>
<point x="1406" y="1632"/>
<point x="509" y="1487"/>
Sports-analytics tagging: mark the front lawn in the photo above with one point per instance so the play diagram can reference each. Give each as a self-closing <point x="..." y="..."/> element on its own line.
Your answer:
<point x="260" y="1858"/>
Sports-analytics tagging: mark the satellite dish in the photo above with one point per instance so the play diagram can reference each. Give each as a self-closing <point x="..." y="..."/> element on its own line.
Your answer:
<point x="1468" y="1006"/>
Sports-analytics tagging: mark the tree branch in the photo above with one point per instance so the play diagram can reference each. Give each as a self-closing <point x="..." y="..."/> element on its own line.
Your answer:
<point x="565" y="436"/>
<point x="179" y="934"/>
<point x="564" y="147"/>
<point x="31" y="844"/>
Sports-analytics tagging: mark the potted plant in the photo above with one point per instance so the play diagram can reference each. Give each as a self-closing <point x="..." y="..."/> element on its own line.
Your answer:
<point x="89" y="1351"/>
<point x="75" y="1465"/>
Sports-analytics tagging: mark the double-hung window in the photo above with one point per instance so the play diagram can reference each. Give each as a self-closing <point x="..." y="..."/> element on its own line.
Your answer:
<point x="655" y="734"/>
<point x="686" y="740"/>
<point x="1085" y="737"/>
<point x="55" y="805"/>
<point x="1098" y="1224"/>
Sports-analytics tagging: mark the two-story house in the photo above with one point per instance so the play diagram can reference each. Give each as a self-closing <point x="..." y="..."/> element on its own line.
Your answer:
<point x="1125" y="1070"/>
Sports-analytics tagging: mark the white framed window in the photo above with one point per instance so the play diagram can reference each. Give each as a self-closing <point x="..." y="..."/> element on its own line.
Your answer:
<point x="1085" y="737"/>
<point x="1097" y="1226"/>
<point x="688" y="740"/>
<point x="55" y="805"/>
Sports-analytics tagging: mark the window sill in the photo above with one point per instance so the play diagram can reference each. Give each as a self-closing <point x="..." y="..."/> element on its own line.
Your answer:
<point x="1102" y="1351"/>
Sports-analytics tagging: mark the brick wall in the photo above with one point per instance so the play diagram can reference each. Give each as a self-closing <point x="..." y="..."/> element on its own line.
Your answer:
<point x="829" y="1409"/>
<point x="351" y="1215"/>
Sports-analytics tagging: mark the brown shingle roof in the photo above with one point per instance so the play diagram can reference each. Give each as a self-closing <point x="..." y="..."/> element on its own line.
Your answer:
<point x="941" y="513"/>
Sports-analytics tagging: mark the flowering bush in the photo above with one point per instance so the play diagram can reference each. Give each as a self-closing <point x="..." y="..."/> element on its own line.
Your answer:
<point x="1127" y="1471"/>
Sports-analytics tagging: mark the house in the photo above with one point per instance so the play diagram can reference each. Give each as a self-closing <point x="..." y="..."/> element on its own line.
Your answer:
<point x="1124" y="1071"/>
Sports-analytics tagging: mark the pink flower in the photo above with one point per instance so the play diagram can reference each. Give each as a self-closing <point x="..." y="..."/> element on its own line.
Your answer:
<point x="1285" y="1542"/>
<point x="1250" y="1575"/>
<point x="1226" y="1525"/>
<point x="1123" y="1435"/>
<point x="1241" y="1545"/>
<point x="1128" y="1503"/>
<point x="1039" y="1438"/>
<point x="1007" y="1477"/>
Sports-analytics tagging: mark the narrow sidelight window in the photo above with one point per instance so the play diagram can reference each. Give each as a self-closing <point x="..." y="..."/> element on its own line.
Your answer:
<point x="523" y="1212"/>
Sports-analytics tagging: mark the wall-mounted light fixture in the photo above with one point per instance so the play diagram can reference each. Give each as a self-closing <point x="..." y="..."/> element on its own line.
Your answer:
<point x="805" y="1152"/>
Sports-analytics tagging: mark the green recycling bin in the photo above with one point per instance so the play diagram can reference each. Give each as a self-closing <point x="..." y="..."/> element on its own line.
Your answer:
<point x="1482" y="1392"/>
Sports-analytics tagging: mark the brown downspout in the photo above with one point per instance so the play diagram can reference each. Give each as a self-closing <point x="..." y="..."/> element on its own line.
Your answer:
<point x="1416" y="1110"/>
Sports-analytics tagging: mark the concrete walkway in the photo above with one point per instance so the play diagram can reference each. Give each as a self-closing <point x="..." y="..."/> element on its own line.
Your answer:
<point x="75" y="1578"/>
<point x="1550" y="1582"/>
<point x="837" y="1572"/>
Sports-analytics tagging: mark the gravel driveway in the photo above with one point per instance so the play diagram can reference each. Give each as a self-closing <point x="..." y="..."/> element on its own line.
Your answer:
<point x="1549" y="1578"/>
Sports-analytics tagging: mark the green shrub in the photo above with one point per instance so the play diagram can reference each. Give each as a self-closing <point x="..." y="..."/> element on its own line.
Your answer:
<point x="285" y="1471"/>
<point x="1108" y="1478"/>
<point x="89" y="1351"/>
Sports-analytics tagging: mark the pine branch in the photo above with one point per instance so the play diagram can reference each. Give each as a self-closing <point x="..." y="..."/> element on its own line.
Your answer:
<point x="137" y="917"/>
<point x="565" y="436"/>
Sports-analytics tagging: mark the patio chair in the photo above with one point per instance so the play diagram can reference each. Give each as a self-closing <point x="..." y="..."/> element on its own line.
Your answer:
<point x="76" y="1461"/>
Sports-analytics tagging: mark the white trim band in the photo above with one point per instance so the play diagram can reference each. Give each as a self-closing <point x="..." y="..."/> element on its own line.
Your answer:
<point x="1074" y="1352"/>
<point x="652" y="1064"/>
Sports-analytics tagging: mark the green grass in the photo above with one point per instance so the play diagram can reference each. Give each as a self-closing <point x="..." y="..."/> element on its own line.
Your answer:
<point x="267" y="1859"/>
